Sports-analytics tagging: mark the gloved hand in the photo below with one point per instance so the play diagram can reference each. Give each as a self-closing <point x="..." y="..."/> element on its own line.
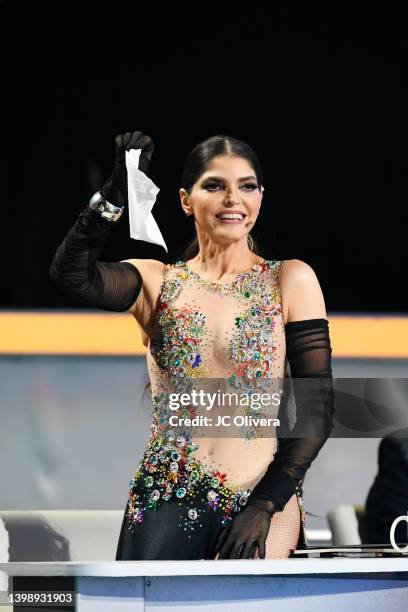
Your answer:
<point x="115" y="188"/>
<point x="247" y="531"/>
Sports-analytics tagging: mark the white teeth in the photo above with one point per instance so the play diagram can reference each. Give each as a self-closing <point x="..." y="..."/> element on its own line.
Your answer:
<point x="230" y="216"/>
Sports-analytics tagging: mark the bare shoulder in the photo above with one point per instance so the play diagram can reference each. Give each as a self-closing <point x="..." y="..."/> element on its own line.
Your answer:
<point x="302" y="296"/>
<point x="296" y="270"/>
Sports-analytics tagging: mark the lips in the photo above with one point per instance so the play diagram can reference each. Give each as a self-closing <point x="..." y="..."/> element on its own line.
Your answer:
<point x="231" y="215"/>
<point x="233" y="220"/>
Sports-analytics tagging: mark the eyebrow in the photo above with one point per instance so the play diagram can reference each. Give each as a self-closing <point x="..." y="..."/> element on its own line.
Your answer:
<point x="219" y="178"/>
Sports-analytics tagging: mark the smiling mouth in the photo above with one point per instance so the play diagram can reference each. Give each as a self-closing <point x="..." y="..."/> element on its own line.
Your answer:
<point x="231" y="216"/>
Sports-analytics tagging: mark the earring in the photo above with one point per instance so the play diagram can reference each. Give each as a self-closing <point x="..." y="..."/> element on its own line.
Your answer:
<point x="250" y="242"/>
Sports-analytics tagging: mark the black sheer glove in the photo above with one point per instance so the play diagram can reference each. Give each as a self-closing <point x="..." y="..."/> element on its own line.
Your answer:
<point x="76" y="271"/>
<point x="115" y="189"/>
<point x="308" y="352"/>
<point x="247" y="532"/>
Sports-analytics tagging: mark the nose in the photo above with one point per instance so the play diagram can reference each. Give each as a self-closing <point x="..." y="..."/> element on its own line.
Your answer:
<point x="232" y="196"/>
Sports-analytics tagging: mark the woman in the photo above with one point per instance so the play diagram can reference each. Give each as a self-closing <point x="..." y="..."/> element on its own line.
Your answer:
<point x="222" y="313"/>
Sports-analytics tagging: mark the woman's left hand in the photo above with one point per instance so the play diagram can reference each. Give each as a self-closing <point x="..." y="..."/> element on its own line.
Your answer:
<point x="247" y="531"/>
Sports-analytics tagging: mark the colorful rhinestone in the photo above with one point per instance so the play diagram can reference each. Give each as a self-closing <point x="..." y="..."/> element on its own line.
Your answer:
<point x="183" y="343"/>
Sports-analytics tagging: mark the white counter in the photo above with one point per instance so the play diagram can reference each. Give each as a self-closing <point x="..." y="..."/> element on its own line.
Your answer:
<point x="220" y="567"/>
<point x="307" y="584"/>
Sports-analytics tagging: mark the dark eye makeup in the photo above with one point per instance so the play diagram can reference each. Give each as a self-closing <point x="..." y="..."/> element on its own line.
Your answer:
<point x="211" y="185"/>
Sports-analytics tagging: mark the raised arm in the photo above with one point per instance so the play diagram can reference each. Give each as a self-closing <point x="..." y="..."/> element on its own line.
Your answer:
<point x="75" y="268"/>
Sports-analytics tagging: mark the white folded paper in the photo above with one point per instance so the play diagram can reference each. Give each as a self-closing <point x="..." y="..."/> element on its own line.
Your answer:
<point x="142" y="194"/>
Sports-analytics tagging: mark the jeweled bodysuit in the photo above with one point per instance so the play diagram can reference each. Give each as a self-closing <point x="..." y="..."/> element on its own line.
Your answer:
<point x="205" y="330"/>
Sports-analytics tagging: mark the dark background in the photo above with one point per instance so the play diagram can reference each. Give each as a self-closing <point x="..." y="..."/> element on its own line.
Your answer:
<point x="320" y="93"/>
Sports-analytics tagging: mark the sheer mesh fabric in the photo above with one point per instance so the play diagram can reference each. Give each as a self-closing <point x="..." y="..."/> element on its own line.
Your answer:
<point x="284" y="531"/>
<point x="309" y="356"/>
<point x="308" y="348"/>
<point x="76" y="271"/>
<point x="191" y="307"/>
<point x="210" y="313"/>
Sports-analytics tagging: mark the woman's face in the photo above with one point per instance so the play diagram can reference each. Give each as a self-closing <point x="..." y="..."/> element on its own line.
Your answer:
<point x="225" y="200"/>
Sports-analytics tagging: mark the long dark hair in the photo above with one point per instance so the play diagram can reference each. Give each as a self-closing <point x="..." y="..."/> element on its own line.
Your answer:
<point x="197" y="162"/>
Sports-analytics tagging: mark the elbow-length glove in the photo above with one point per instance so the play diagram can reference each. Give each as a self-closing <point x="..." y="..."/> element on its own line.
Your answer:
<point x="75" y="268"/>
<point x="308" y="352"/>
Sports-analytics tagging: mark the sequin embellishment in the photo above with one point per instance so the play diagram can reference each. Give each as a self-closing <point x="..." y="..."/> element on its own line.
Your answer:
<point x="168" y="469"/>
<point x="186" y="479"/>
